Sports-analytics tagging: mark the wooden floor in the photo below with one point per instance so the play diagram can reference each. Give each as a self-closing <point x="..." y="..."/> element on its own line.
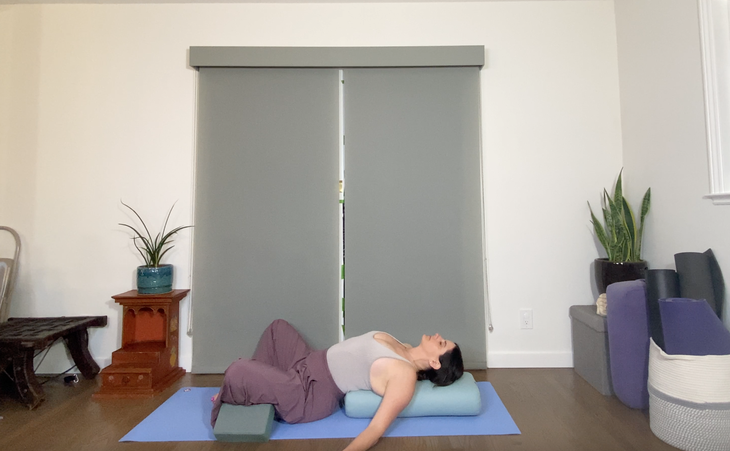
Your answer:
<point x="554" y="408"/>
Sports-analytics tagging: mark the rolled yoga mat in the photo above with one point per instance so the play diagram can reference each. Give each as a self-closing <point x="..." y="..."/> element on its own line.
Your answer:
<point x="694" y="270"/>
<point x="660" y="284"/>
<point x="718" y="284"/>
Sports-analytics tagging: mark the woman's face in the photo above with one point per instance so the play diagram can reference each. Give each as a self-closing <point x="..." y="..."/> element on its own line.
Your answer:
<point x="436" y="345"/>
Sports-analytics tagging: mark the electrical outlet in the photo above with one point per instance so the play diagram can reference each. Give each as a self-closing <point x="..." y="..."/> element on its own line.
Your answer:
<point x="526" y="318"/>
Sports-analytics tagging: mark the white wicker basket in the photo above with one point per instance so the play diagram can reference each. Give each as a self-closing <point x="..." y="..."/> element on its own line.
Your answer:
<point x="689" y="400"/>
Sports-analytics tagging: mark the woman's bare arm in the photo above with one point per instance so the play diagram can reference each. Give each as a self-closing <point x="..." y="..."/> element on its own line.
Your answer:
<point x="398" y="393"/>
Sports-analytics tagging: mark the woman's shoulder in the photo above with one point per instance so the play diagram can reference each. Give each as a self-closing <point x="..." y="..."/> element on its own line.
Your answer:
<point x="385" y="370"/>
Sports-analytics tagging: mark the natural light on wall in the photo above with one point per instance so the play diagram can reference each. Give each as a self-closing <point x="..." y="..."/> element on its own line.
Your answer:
<point x="715" y="40"/>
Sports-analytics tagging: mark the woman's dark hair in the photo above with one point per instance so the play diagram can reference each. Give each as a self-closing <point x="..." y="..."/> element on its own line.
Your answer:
<point x="452" y="367"/>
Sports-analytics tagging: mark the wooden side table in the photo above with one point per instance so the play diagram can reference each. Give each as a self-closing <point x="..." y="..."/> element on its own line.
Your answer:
<point x="147" y="362"/>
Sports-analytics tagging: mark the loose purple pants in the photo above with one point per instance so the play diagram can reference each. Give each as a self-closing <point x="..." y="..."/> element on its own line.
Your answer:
<point x="284" y="372"/>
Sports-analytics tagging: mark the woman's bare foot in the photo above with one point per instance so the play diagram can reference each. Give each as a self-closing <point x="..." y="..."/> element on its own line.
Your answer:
<point x="214" y="397"/>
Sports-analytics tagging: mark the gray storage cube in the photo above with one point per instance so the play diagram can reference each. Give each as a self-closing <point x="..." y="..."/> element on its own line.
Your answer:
<point x="590" y="347"/>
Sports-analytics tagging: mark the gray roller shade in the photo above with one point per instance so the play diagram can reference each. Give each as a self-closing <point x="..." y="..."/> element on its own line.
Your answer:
<point x="266" y="209"/>
<point x="337" y="57"/>
<point x="413" y="236"/>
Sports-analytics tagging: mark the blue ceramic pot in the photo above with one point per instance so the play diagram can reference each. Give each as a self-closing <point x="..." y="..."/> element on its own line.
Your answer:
<point x="154" y="280"/>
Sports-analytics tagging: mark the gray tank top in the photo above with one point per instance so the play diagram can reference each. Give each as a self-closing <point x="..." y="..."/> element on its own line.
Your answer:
<point x="350" y="361"/>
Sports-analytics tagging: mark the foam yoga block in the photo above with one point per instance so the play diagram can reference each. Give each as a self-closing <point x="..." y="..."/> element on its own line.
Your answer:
<point x="244" y="423"/>
<point x="460" y="398"/>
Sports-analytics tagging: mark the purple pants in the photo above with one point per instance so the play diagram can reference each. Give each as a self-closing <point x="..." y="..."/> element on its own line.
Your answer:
<point x="284" y="372"/>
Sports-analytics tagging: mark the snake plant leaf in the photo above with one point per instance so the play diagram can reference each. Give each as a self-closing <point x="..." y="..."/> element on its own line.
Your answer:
<point x="615" y="217"/>
<point x="608" y="215"/>
<point x="618" y="190"/>
<point x="598" y="229"/>
<point x="645" y="204"/>
<point x="630" y="226"/>
<point x="620" y="237"/>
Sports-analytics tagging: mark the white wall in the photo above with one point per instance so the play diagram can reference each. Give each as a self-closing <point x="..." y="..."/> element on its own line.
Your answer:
<point x="664" y="140"/>
<point x="97" y="104"/>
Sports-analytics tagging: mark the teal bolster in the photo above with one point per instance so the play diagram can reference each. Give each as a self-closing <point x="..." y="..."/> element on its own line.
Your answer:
<point x="460" y="398"/>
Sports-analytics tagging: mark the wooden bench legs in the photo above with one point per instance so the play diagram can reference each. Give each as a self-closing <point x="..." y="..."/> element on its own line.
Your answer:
<point x="78" y="345"/>
<point x="30" y="391"/>
<point x="26" y="382"/>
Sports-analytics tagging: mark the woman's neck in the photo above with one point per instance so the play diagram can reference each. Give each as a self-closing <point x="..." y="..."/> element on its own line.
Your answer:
<point x="418" y="357"/>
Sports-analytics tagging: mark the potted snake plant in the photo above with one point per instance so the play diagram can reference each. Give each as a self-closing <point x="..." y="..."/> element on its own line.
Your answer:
<point x="620" y="237"/>
<point x="153" y="277"/>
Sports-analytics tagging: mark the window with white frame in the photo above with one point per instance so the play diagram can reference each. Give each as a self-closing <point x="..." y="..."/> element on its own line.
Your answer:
<point x="715" y="40"/>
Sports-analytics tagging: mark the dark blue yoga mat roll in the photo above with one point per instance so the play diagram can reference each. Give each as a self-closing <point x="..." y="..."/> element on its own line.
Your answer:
<point x="660" y="284"/>
<point x="695" y="273"/>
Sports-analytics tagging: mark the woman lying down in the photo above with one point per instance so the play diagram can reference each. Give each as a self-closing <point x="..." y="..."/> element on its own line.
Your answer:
<point x="306" y="385"/>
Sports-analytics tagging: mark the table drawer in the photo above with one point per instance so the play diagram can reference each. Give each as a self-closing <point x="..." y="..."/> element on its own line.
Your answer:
<point x="127" y="379"/>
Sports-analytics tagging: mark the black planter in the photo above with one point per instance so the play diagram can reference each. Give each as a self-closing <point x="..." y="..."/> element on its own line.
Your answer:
<point x="611" y="272"/>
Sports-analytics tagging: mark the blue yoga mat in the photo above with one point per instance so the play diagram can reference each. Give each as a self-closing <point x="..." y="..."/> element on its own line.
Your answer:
<point x="186" y="417"/>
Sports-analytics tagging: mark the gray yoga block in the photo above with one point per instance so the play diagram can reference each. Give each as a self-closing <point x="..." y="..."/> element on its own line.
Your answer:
<point x="244" y="423"/>
<point x="590" y="347"/>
